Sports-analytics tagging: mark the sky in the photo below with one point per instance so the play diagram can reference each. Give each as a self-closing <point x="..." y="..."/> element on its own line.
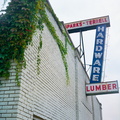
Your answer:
<point x="75" y="10"/>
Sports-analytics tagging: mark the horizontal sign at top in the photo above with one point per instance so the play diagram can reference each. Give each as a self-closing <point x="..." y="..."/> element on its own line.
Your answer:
<point x="88" y="24"/>
<point x="102" y="88"/>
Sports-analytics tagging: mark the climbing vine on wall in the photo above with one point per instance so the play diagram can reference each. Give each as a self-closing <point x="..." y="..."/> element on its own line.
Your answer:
<point x="17" y="27"/>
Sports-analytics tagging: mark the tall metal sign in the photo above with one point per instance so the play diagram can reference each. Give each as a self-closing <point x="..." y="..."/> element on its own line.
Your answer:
<point x="84" y="25"/>
<point x="98" y="54"/>
<point x="96" y="87"/>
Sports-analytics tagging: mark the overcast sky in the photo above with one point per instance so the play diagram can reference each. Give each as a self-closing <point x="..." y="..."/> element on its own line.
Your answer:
<point x="75" y="10"/>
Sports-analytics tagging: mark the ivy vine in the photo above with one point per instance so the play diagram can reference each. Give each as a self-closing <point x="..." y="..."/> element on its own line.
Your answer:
<point x="17" y="27"/>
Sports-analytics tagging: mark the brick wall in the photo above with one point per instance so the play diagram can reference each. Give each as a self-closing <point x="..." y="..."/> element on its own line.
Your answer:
<point x="47" y="95"/>
<point x="9" y="96"/>
<point x="97" y="108"/>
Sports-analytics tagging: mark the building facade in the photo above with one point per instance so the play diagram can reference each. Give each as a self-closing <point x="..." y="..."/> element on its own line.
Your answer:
<point x="47" y="96"/>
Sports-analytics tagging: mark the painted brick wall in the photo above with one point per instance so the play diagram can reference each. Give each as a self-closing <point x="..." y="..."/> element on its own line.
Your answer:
<point x="9" y="96"/>
<point x="97" y="108"/>
<point x="84" y="103"/>
<point x="47" y="95"/>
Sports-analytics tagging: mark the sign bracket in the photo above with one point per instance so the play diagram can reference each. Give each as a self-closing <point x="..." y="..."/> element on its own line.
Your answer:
<point x="82" y="50"/>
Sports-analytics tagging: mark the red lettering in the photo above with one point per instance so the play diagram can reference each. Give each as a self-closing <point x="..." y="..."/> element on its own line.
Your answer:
<point x="80" y="24"/>
<point x="109" y="86"/>
<point x="114" y="86"/>
<point x="104" y="87"/>
<point x="94" y="22"/>
<point x="70" y="26"/>
<point x="90" y="22"/>
<point x="87" y="22"/>
<point x="105" y="20"/>
<point x="92" y="88"/>
<point x="77" y="25"/>
<point x="67" y="26"/>
<point x="87" y="88"/>
<point x="100" y="20"/>
<point x="97" y="21"/>
<point x="98" y="87"/>
<point x="73" y="25"/>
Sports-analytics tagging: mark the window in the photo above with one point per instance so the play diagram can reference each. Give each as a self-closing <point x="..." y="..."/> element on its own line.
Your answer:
<point x="37" y="118"/>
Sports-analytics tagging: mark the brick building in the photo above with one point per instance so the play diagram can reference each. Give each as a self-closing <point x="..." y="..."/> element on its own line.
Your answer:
<point x="47" y="96"/>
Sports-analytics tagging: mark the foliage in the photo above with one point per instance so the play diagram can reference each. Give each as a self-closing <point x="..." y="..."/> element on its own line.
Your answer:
<point x="16" y="30"/>
<point x="17" y="27"/>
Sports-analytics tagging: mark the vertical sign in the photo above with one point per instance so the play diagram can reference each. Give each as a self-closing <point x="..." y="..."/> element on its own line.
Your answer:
<point x="98" y="55"/>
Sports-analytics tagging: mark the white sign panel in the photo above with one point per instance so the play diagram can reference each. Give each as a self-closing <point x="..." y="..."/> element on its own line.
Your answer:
<point x="88" y="24"/>
<point x="102" y="88"/>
